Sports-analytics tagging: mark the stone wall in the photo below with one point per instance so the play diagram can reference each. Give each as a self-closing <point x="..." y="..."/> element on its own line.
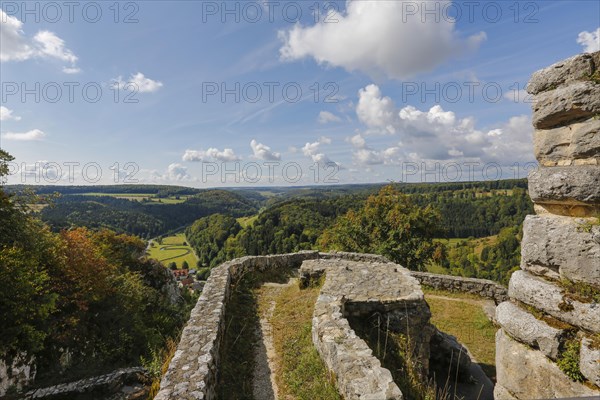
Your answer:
<point x="364" y="290"/>
<point x="127" y="383"/>
<point x="192" y="373"/>
<point x="553" y="308"/>
<point x="480" y="287"/>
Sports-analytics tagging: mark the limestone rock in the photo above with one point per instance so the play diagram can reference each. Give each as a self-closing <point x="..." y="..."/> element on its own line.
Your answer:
<point x="528" y="329"/>
<point x="500" y="393"/>
<point x="558" y="107"/>
<point x="528" y="374"/>
<point x="572" y="185"/>
<point x="577" y="68"/>
<point x="548" y="297"/>
<point x="561" y="146"/>
<point x="589" y="361"/>
<point x="561" y="247"/>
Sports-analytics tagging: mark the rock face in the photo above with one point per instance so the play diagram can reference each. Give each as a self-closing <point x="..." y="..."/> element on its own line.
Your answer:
<point x="526" y="374"/>
<point x="560" y="251"/>
<point x="529" y="330"/>
<point x="589" y="361"/>
<point x="578" y="143"/>
<point x="575" y="102"/>
<point x="570" y="185"/>
<point x="561" y="247"/>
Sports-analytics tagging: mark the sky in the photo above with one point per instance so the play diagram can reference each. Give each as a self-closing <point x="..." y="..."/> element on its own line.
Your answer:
<point x="261" y="93"/>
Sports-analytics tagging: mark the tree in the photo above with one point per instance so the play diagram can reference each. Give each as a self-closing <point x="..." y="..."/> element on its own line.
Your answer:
<point x="185" y="265"/>
<point x="173" y="265"/>
<point x="389" y="224"/>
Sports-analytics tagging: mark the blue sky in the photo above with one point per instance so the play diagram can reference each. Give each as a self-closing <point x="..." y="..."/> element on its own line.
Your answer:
<point x="360" y="91"/>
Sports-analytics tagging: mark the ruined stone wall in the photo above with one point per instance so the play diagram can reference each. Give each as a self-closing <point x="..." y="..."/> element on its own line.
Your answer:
<point x="480" y="287"/>
<point x="549" y="342"/>
<point x="192" y="373"/>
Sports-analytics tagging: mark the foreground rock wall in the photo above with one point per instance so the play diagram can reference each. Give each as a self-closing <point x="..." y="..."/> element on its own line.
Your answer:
<point x="363" y="290"/>
<point x="192" y="373"/>
<point x="548" y="346"/>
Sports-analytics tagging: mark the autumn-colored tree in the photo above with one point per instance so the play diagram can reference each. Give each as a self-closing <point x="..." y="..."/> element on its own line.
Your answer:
<point x="389" y="224"/>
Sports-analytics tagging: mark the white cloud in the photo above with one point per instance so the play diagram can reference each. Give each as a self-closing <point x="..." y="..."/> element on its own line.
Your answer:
<point x="177" y="172"/>
<point x="312" y="150"/>
<point x="263" y="152"/>
<point x="590" y="41"/>
<point x="139" y="82"/>
<point x="437" y="134"/>
<point x="15" y="46"/>
<point x="376" y="111"/>
<point x="379" y="38"/>
<point x="71" y="70"/>
<point x="52" y="46"/>
<point x="210" y="154"/>
<point x="364" y="155"/>
<point x="7" y="114"/>
<point x="326" y="117"/>
<point x="34" y="134"/>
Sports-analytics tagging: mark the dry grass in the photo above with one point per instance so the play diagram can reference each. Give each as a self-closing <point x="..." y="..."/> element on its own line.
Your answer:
<point x="467" y="321"/>
<point x="300" y="372"/>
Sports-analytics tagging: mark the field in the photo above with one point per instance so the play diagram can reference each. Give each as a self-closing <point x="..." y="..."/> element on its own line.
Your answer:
<point x="245" y="221"/>
<point x="478" y="244"/>
<point x="173" y="249"/>
<point x="147" y="197"/>
<point x="462" y="315"/>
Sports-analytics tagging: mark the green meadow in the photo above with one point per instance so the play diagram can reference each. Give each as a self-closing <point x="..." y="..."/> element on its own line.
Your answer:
<point x="173" y="249"/>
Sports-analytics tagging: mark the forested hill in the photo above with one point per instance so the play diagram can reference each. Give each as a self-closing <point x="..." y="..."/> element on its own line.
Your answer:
<point x="468" y="208"/>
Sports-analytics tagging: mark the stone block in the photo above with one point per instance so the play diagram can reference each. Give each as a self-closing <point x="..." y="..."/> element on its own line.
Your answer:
<point x="589" y="361"/>
<point x="577" y="68"/>
<point x="562" y="247"/>
<point x="527" y="329"/>
<point x="564" y="145"/>
<point x="567" y="185"/>
<point x="565" y="105"/>
<point x="549" y="298"/>
<point x="527" y="374"/>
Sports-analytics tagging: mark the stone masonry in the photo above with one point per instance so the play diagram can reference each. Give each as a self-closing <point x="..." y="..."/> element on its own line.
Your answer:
<point x="553" y="305"/>
<point x="361" y="290"/>
<point x="359" y="285"/>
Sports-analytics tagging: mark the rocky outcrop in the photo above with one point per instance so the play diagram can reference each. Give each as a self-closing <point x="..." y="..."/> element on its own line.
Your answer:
<point x="16" y="372"/>
<point x="552" y="296"/>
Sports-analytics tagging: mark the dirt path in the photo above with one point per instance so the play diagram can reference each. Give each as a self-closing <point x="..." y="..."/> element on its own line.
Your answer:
<point x="264" y="385"/>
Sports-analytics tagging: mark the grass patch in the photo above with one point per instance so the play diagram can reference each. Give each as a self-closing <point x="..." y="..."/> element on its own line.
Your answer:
<point x="469" y="324"/>
<point x="300" y="373"/>
<point x="579" y="291"/>
<point x="173" y="249"/>
<point x="247" y="221"/>
<point x="568" y="361"/>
